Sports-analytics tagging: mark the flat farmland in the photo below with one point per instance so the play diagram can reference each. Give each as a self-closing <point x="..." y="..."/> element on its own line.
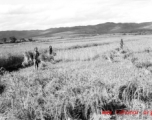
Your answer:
<point x="89" y="75"/>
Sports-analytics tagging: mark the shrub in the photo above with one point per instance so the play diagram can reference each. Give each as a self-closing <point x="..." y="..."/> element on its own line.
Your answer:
<point x="13" y="39"/>
<point x="11" y="62"/>
<point x="4" y="40"/>
<point x="30" y="39"/>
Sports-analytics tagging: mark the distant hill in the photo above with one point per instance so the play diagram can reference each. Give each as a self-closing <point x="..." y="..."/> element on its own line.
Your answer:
<point x="105" y="28"/>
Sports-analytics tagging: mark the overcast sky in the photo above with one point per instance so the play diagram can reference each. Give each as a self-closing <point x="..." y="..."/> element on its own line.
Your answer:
<point x="43" y="14"/>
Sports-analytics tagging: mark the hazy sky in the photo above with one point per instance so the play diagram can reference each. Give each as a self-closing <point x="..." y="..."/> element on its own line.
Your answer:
<point x="43" y="14"/>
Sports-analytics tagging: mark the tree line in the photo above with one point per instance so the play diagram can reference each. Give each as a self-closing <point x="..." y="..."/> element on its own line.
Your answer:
<point x="13" y="39"/>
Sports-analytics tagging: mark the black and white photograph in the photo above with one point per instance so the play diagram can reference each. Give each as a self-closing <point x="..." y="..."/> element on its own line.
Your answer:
<point x="75" y="59"/>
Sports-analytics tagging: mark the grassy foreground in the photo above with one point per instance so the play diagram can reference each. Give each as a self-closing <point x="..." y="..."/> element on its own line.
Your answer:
<point x="84" y="82"/>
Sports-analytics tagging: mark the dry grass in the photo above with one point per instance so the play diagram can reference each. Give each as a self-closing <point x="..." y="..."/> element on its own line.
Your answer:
<point x="80" y="86"/>
<point x="53" y="94"/>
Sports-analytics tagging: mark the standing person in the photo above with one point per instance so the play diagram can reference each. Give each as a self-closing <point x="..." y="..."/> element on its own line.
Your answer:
<point x="50" y="50"/>
<point x="121" y="44"/>
<point x="51" y="54"/>
<point x="36" y="58"/>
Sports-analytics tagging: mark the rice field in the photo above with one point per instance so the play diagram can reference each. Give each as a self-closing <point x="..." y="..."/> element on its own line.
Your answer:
<point x="90" y="75"/>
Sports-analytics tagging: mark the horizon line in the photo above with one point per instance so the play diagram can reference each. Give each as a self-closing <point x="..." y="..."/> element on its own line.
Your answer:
<point x="76" y="26"/>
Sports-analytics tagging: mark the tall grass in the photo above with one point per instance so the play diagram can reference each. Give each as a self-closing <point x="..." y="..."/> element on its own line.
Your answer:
<point x="74" y="90"/>
<point x="68" y="93"/>
<point x="13" y="59"/>
<point x="11" y="62"/>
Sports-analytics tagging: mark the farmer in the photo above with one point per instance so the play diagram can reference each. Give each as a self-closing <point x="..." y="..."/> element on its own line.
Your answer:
<point x="51" y="53"/>
<point x="121" y="44"/>
<point x="50" y="50"/>
<point x="36" y="58"/>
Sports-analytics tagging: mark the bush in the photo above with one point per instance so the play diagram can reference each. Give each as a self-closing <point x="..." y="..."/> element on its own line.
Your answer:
<point x="4" y="40"/>
<point x="30" y="39"/>
<point x="13" y="39"/>
<point x="11" y="62"/>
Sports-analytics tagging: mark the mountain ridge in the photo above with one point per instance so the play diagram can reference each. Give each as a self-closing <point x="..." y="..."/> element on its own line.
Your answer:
<point x="104" y="28"/>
